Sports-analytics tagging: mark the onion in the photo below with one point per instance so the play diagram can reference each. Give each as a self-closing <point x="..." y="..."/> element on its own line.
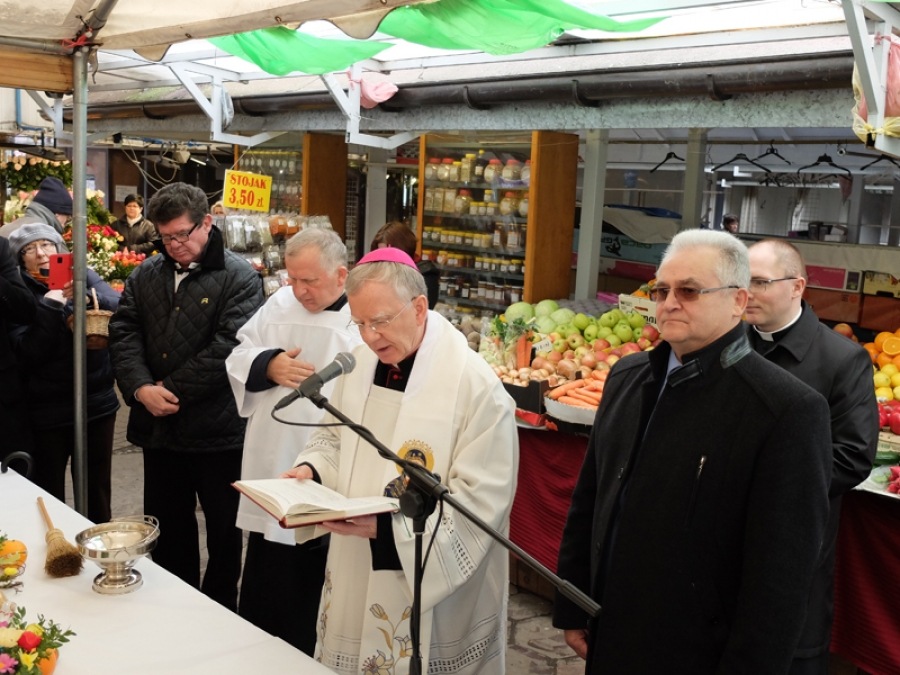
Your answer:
<point x="550" y="367"/>
<point x="544" y="373"/>
<point x="585" y="372"/>
<point x="589" y="360"/>
<point x="539" y="362"/>
<point x="513" y="373"/>
<point x="524" y="373"/>
<point x="552" y="381"/>
<point x="504" y="370"/>
<point x="567" y="368"/>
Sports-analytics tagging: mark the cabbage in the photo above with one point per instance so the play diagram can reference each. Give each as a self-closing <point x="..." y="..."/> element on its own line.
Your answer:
<point x="562" y="316"/>
<point x="545" y="308"/>
<point x="545" y="324"/>
<point x="519" y="310"/>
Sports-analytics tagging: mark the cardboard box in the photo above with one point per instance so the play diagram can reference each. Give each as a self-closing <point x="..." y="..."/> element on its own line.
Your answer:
<point x="643" y="306"/>
<point x="888" y="442"/>
<point x="880" y="314"/>
<point x="881" y="283"/>
<point x="834" y="305"/>
<point x="530" y="398"/>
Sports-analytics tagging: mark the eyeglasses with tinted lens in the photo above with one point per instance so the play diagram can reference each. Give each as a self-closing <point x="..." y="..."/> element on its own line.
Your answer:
<point x="684" y="293"/>
<point x="761" y="285"/>
<point x="378" y="326"/>
<point x="180" y="238"/>
<point x="47" y="247"/>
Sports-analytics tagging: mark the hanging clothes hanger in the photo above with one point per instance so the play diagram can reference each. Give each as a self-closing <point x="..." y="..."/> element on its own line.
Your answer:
<point x="882" y="158"/>
<point x="670" y="155"/>
<point x="772" y="151"/>
<point x="740" y="157"/>
<point x="826" y="159"/>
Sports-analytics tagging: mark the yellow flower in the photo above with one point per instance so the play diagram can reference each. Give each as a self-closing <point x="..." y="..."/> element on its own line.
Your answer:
<point x="10" y="571"/>
<point x="35" y="628"/>
<point x="9" y="637"/>
<point x="27" y="659"/>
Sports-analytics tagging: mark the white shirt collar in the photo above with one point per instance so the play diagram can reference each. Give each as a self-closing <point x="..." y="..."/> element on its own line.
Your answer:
<point x="768" y="337"/>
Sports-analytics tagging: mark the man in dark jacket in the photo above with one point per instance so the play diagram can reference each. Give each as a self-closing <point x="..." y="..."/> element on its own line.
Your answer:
<point x="52" y="205"/>
<point x="17" y="306"/>
<point x="138" y="234"/>
<point x="701" y="506"/>
<point x="175" y="326"/>
<point x="788" y="333"/>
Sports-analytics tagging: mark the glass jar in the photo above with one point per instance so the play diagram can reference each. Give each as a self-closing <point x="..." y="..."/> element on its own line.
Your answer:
<point x="431" y="168"/>
<point x="491" y="209"/>
<point x="482" y="290"/>
<point x="509" y="204"/>
<point x="526" y="172"/>
<point x="463" y="200"/>
<point x="479" y="263"/>
<point x="515" y="294"/>
<point x="482" y="208"/>
<point x="451" y="287"/>
<point x="453" y="176"/>
<point x="513" y="238"/>
<point x="480" y="164"/>
<point x="504" y="266"/>
<point x="458" y="237"/>
<point x="513" y="170"/>
<point x="429" y="199"/>
<point x="467" y="169"/>
<point x="442" y="285"/>
<point x="523" y="206"/>
<point x="466" y="290"/>
<point x="443" y="236"/>
<point x="499" y="240"/>
<point x="438" y="200"/>
<point x="441" y="258"/>
<point x="493" y="170"/>
<point x="489" y="196"/>
<point x="449" y="199"/>
<point x="512" y="266"/>
<point x="443" y="171"/>
<point x="468" y="239"/>
<point x="473" y="208"/>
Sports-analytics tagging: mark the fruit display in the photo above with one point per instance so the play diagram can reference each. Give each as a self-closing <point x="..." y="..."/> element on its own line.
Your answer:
<point x="12" y="553"/>
<point x="884" y="351"/>
<point x="583" y="393"/>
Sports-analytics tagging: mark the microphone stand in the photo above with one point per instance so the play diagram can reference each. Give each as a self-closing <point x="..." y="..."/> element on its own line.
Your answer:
<point x="418" y="502"/>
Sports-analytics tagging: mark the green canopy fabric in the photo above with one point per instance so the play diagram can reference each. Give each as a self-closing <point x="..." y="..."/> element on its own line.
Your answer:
<point x="496" y="26"/>
<point x="492" y="26"/>
<point x="280" y="51"/>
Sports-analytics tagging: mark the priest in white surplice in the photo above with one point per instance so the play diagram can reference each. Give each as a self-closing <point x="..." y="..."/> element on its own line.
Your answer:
<point x="297" y="332"/>
<point x="425" y="394"/>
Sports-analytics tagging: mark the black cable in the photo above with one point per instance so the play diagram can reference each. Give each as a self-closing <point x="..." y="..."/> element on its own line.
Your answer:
<point x="434" y="533"/>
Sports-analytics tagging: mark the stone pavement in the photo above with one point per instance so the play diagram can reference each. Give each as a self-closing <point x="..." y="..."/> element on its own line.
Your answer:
<point x="535" y="647"/>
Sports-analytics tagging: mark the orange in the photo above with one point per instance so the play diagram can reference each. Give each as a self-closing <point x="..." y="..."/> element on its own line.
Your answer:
<point x="896" y="361"/>
<point x="883" y="359"/>
<point x="897" y="332"/>
<point x="12" y="553"/>
<point x="881" y="337"/>
<point x="873" y="351"/>
<point x="48" y="665"/>
<point x="892" y="346"/>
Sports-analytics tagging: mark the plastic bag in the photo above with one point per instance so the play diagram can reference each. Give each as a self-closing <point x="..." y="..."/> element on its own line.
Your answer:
<point x="891" y="125"/>
<point x="370" y="95"/>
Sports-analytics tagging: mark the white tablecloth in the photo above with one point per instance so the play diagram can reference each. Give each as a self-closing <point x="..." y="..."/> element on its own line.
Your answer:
<point x="166" y="626"/>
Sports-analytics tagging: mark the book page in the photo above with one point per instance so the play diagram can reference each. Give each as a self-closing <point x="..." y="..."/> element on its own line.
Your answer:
<point x="293" y="496"/>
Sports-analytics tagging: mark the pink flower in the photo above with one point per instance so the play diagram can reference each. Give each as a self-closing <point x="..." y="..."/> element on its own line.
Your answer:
<point x="7" y="664"/>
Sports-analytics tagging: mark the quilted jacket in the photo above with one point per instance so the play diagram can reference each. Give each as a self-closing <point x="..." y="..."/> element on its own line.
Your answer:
<point x="182" y="338"/>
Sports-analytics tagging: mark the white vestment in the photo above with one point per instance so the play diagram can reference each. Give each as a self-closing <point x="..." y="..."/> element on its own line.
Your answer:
<point x="454" y="411"/>
<point x="269" y="446"/>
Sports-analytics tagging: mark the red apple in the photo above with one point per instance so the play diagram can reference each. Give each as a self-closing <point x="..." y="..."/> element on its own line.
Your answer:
<point x="569" y="354"/>
<point x="601" y="356"/>
<point x="644" y="343"/>
<point x="617" y="352"/>
<point x="630" y="348"/>
<point x="894" y="421"/>
<point x="600" y="345"/>
<point x="612" y="360"/>
<point x="555" y="357"/>
<point x="844" y="329"/>
<point x="553" y="337"/>
<point x="650" y="333"/>
<point x="657" y="343"/>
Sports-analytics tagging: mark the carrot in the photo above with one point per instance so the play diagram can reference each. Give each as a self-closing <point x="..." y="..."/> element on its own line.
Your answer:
<point x="523" y="351"/>
<point x="586" y="396"/>
<point x="576" y="403"/>
<point x="595" y="375"/>
<point x="556" y="392"/>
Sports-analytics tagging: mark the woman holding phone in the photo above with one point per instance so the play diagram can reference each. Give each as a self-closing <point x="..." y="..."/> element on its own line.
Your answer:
<point x="45" y="355"/>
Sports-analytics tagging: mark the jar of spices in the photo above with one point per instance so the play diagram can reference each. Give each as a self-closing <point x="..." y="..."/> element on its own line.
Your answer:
<point x="431" y="168"/>
<point x="442" y="285"/>
<point x="453" y="176"/>
<point x="429" y="199"/>
<point x="504" y="266"/>
<point x="526" y="172"/>
<point x="451" y="288"/>
<point x="473" y="208"/>
<point x="443" y="171"/>
<point x="489" y="196"/>
<point x="479" y="263"/>
<point x="480" y="164"/>
<point x="509" y="204"/>
<point x="491" y="209"/>
<point x="523" y="206"/>
<point x="513" y="239"/>
<point x="449" y="200"/>
<point x="463" y="200"/>
<point x="507" y="294"/>
<point x="493" y="170"/>
<point x="467" y="238"/>
<point x="458" y="237"/>
<point x="482" y="290"/>
<point x="441" y="258"/>
<point x="466" y="290"/>
<point x="438" y="200"/>
<point x="499" y="240"/>
<point x="467" y="170"/>
<point x="515" y="294"/>
<point x="513" y="170"/>
<point x="482" y="208"/>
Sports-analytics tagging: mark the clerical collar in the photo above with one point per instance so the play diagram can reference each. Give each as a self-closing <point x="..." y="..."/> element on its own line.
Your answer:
<point x="337" y="305"/>
<point x="776" y="335"/>
<point x="394" y="377"/>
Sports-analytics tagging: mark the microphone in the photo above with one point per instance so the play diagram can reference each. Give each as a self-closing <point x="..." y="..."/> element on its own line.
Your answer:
<point x="343" y="363"/>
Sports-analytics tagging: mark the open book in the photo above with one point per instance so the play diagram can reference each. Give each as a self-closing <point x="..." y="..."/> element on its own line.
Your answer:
<point x="297" y="503"/>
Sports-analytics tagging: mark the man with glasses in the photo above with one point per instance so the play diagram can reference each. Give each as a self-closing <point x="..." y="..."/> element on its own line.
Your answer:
<point x="299" y="331"/>
<point x="701" y="506"/>
<point x="422" y="392"/>
<point x="788" y="333"/>
<point x="176" y="324"/>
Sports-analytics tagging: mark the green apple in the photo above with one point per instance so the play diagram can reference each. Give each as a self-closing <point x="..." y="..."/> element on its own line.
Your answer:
<point x="608" y="320"/>
<point x="604" y="332"/>
<point x="636" y="320"/>
<point x="575" y="340"/>
<point x="614" y="341"/>
<point x="625" y="333"/>
<point x="566" y="330"/>
<point x="637" y="334"/>
<point x="590" y="333"/>
<point x="560" y="345"/>
<point x="581" y="321"/>
<point x="620" y="315"/>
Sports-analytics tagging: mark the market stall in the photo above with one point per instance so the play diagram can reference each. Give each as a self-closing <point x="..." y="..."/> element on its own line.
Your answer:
<point x="164" y="627"/>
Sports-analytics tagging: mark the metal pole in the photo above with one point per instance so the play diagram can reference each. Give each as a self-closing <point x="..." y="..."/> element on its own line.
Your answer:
<point x="79" y="250"/>
<point x="591" y="231"/>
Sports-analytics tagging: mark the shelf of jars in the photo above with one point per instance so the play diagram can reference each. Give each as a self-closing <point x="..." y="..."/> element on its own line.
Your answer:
<point x="431" y="250"/>
<point x="286" y="170"/>
<point x="481" y="273"/>
<point x="468" y="302"/>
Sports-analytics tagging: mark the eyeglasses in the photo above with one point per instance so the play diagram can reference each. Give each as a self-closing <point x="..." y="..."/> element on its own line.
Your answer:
<point x="46" y="247"/>
<point x="684" y="293"/>
<point x="760" y="285"/>
<point x="180" y="238"/>
<point x="380" y="325"/>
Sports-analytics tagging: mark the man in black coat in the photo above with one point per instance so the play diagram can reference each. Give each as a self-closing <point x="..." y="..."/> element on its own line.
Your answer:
<point x="175" y="326"/>
<point x="788" y="333"/>
<point x="700" y="510"/>
<point x="17" y="306"/>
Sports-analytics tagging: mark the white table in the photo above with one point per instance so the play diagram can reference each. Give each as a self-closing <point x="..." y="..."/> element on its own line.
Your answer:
<point x="166" y="626"/>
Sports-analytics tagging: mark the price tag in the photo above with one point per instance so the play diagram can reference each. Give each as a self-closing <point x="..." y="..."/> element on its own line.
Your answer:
<point x="249" y="191"/>
<point x="543" y="346"/>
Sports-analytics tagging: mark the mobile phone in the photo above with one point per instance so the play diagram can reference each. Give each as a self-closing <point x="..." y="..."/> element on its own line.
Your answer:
<point x="60" y="270"/>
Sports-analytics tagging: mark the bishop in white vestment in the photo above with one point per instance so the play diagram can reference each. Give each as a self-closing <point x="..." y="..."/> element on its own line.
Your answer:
<point x="425" y="394"/>
<point x="310" y="316"/>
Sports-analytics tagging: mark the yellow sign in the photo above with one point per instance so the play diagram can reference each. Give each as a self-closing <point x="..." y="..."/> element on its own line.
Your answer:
<point x="247" y="191"/>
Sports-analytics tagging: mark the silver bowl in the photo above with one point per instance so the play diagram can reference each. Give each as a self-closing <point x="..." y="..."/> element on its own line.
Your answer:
<point x="116" y="546"/>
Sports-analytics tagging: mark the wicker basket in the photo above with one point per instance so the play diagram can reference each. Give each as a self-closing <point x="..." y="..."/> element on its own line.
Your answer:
<point x="96" y="325"/>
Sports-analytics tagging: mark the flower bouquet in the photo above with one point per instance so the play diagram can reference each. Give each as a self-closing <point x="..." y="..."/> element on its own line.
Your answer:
<point x="102" y="243"/>
<point x="124" y="263"/>
<point x="28" y="648"/>
<point x="24" y="173"/>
